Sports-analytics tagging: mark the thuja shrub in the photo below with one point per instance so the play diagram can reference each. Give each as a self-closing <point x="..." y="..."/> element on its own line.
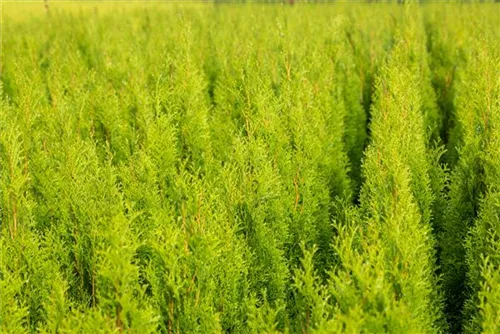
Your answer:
<point x="474" y="104"/>
<point x="446" y="44"/>
<point x="186" y="169"/>
<point x="371" y="37"/>
<point x="386" y="279"/>
<point x="481" y="95"/>
<point x="284" y="176"/>
<point x="157" y="189"/>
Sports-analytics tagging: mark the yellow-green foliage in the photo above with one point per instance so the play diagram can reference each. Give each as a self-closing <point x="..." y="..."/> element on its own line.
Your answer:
<point x="482" y="249"/>
<point x="383" y="283"/>
<point x="245" y="168"/>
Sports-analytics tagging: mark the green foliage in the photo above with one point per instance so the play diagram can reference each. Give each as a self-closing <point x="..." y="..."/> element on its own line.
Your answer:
<point x="477" y="98"/>
<point x="384" y="283"/>
<point x="482" y="247"/>
<point x="204" y="168"/>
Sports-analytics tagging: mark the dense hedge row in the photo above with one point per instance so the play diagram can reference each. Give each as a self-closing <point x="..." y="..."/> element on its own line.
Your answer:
<point x="385" y="283"/>
<point x="249" y="169"/>
<point x="483" y="243"/>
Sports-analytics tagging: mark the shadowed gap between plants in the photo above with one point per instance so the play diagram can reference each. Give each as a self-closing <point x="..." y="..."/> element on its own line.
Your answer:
<point x="443" y="71"/>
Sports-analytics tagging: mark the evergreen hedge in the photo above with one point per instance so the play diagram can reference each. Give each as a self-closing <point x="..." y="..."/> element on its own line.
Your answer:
<point x="201" y="168"/>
